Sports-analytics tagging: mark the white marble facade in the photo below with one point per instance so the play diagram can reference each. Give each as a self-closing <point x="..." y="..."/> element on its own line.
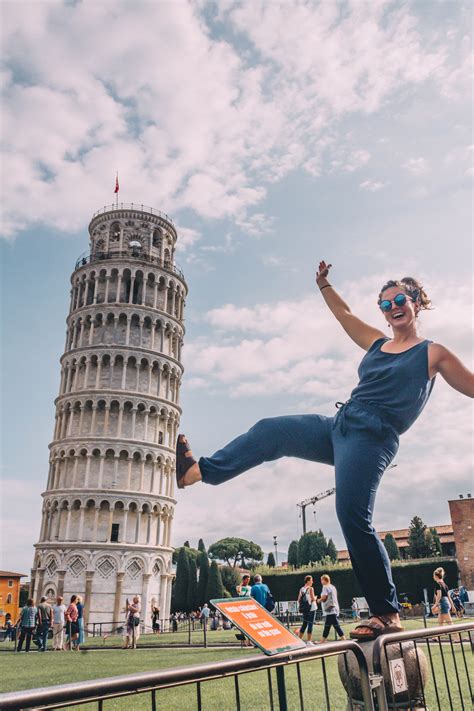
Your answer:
<point x="109" y="501"/>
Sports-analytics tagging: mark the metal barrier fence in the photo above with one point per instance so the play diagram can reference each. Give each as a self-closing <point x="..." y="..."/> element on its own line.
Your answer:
<point x="274" y="694"/>
<point x="438" y="674"/>
<point x="436" y="661"/>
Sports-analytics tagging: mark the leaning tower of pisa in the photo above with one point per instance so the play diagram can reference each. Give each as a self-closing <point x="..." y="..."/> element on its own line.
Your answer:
<point x="108" y="505"/>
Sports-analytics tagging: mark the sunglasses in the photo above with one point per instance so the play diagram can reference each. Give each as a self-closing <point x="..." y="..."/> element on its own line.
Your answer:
<point x="399" y="300"/>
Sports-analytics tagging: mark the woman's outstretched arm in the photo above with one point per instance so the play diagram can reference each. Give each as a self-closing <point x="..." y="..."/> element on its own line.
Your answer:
<point x="361" y="333"/>
<point x="450" y="367"/>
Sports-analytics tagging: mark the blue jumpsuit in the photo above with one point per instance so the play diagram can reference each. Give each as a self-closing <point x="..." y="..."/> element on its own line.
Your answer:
<point x="360" y="441"/>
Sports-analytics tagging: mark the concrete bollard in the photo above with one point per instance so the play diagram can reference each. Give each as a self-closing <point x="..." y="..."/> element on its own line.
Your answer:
<point x="415" y="669"/>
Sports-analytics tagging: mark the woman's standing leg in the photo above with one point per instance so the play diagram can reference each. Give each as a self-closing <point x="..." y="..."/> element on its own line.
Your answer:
<point x="303" y="436"/>
<point x="360" y="463"/>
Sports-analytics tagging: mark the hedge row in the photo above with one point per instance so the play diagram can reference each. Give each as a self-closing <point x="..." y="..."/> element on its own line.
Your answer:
<point x="410" y="579"/>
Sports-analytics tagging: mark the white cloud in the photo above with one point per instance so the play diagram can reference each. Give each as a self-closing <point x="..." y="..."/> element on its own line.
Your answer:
<point x="92" y="103"/>
<point x="416" y="166"/>
<point x="372" y="185"/>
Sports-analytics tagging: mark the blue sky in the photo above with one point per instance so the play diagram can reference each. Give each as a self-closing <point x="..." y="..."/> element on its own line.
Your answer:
<point x="275" y="134"/>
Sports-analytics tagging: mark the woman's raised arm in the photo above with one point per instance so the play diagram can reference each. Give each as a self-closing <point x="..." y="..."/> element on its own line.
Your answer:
<point x="453" y="371"/>
<point x="361" y="333"/>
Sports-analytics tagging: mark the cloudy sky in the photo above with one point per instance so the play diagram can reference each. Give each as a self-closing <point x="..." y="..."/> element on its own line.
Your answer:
<point x="275" y="134"/>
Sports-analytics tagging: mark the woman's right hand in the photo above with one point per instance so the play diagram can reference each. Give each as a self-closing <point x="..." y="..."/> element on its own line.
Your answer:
<point x="322" y="273"/>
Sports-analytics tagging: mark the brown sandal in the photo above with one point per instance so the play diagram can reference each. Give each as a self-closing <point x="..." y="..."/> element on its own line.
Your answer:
<point x="183" y="463"/>
<point x="374" y="629"/>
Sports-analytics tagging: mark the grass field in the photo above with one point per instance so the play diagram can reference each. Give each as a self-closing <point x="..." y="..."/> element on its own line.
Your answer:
<point x="22" y="671"/>
<point x="220" y="636"/>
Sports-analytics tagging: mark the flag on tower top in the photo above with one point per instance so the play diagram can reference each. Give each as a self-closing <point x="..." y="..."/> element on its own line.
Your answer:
<point x="116" y="184"/>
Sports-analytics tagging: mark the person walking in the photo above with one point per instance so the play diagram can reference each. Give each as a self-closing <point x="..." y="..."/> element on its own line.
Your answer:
<point x="307" y="605"/>
<point x="396" y="378"/>
<point x="132" y="626"/>
<point x="443" y="603"/>
<point x="355" y="609"/>
<point x="45" y="622"/>
<point x="80" y="623"/>
<point x="204" y="615"/>
<point x="330" y="607"/>
<point x="27" y="623"/>
<point x="59" y="610"/>
<point x="8" y="627"/>
<point x="72" y="628"/>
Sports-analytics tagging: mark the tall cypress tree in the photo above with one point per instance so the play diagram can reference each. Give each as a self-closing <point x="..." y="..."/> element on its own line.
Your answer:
<point x="192" y="587"/>
<point x="418" y="546"/>
<point x="391" y="547"/>
<point x="438" y="548"/>
<point x="331" y="550"/>
<point x="271" y="560"/>
<point x="215" y="589"/>
<point x="203" y="578"/>
<point x="180" y="600"/>
<point x="293" y="554"/>
<point x="201" y="546"/>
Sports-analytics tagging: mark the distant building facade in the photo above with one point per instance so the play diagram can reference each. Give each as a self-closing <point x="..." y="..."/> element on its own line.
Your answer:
<point x="109" y="501"/>
<point x="462" y="516"/>
<point x="9" y="594"/>
<point x="445" y="533"/>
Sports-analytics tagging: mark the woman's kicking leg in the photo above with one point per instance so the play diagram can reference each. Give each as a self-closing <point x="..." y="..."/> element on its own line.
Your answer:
<point x="303" y="436"/>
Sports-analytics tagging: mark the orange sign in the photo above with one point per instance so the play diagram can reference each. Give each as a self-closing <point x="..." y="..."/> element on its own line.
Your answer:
<point x="258" y="624"/>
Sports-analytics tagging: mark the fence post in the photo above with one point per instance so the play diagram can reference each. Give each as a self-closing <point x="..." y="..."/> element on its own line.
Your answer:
<point x="281" y="685"/>
<point x="189" y="630"/>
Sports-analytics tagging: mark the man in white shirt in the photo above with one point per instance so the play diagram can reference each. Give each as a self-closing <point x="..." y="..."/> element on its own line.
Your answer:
<point x="330" y="607"/>
<point x="58" y="624"/>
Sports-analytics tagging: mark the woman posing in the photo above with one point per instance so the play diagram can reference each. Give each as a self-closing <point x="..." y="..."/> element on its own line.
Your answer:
<point x="443" y="603"/>
<point x="396" y="377"/>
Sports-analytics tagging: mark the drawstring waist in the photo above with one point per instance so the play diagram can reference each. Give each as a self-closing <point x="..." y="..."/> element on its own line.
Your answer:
<point x="370" y="409"/>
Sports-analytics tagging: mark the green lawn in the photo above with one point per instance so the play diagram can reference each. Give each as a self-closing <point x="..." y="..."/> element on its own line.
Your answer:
<point x="21" y="671"/>
<point x="222" y="636"/>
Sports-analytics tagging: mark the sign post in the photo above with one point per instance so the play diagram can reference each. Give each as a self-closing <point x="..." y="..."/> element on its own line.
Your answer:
<point x="258" y="625"/>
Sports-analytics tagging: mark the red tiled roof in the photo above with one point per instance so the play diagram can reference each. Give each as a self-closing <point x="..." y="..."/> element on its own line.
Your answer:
<point x="9" y="574"/>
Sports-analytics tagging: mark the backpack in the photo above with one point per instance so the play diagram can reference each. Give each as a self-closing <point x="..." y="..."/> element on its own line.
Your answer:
<point x="304" y="605"/>
<point x="270" y="602"/>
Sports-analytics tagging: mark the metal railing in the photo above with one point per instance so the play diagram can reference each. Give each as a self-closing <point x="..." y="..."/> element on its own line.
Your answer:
<point x="132" y="206"/>
<point x="153" y="682"/>
<point x="449" y="683"/>
<point x="85" y="259"/>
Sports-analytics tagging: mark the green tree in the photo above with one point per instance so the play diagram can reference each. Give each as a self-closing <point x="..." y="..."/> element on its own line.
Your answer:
<point x="391" y="547"/>
<point x="192" y="553"/>
<point x="214" y="589"/>
<point x="438" y="548"/>
<point x="331" y="551"/>
<point x="235" y="551"/>
<point x="312" y="547"/>
<point x="201" y="546"/>
<point x="418" y="544"/>
<point x="203" y="578"/>
<point x="293" y="555"/>
<point x="192" y="587"/>
<point x="230" y="579"/>
<point x="271" y="560"/>
<point x="180" y="599"/>
<point x="186" y="544"/>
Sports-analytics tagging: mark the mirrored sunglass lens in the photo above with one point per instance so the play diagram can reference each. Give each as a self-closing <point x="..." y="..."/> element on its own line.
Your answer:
<point x="400" y="299"/>
<point x="385" y="305"/>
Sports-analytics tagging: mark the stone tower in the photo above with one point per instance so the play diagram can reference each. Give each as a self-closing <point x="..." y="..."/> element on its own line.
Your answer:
<point x="108" y="505"/>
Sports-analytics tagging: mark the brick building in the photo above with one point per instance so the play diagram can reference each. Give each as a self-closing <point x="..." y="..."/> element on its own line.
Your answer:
<point x="462" y="516"/>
